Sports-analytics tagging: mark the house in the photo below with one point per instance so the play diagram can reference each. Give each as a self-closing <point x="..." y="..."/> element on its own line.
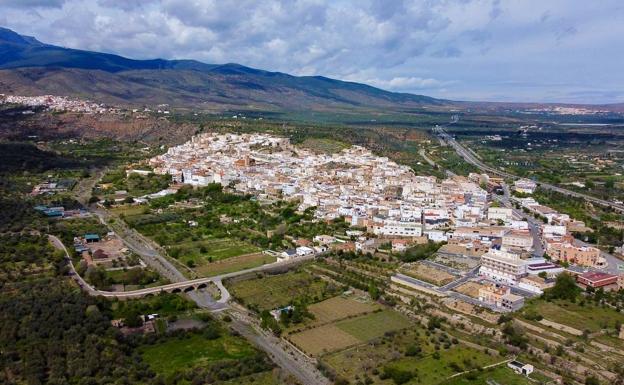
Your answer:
<point x="287" y="254"/>
<point x="304" y="250"/>
<point x="520" y="368"/>
<point x="597" y="280"/>
<point x="580" y="255"/>
<point x="400" y="245"/>
<point x="500" y="296"/>
<point x="276" y="313"/>
<point x="92" y="238"/>
<point x="499" y="213"/>
<point x="324" y="239"/>
<point x="535" y="284"/>
<point x="518" y="240"/>
<point x="525" y="186"/>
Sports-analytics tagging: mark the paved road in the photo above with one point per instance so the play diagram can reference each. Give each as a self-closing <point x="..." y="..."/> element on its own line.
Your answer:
<point x="470" y="158"/>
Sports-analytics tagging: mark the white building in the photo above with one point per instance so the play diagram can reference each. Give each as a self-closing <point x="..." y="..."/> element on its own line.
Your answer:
<point x="503" y="266"/>
<point x="525" y="186"/>
<point x="500" y="213"/>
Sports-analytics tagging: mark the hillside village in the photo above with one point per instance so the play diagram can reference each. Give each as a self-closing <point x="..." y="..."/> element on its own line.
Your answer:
<point x="511" y="255"/>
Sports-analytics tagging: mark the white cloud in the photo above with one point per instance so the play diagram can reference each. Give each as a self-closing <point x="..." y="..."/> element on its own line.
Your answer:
<point x="462" y="49"/>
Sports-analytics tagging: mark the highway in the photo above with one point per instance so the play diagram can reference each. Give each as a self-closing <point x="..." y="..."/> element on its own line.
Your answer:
<point x="468" y="156"/>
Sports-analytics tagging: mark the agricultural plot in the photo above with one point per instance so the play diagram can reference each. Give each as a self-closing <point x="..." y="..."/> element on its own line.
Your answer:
<point x="471" y="289"/>
<point x="323" y="339"/>
<point x="271" y="292"/>
<point x="232" y="264"/>
<point x="337" y="308"/>
<point x="177" y="354"/>
<point x="580" y="317"/>
<point x="433" y="370"/>
<point x="499" y="374"/>
<point x="428" y="273"/>
<point x="206" y="251"/>
<point x="374" y="325"/>
<point x="349" y="332"/>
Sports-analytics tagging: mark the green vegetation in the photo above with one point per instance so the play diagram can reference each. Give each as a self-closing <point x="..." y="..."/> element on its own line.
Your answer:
<point x="374" y="325"/>
<point x="176" y="354"/>
<point x="271" y="292"/>
<point x="420" y="252"/>
<point x="580" y="315"/>
<point x="501" y="374"/>
<point x="436" y="368"/>
<point x="135" y="184"/>
<point x="24" y="255"/>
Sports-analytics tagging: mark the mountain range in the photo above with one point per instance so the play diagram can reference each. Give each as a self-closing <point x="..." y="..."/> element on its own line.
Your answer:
<point x="30" y="67"/>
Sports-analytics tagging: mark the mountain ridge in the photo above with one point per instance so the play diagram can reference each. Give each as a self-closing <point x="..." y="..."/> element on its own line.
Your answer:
<point x="29" y="66"/>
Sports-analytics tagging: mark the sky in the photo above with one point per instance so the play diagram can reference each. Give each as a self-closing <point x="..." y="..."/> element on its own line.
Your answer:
<point x="488" y="50"/>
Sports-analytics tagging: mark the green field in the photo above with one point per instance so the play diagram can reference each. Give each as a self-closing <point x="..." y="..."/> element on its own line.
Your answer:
<point x="204" y="251"/>
<point x="183" y="353"/>
<point x="238" y="263"/>
<point x="337" y="336"/>
<point x="430" y="370"/>
<point x="588" y="316"/>
<point x="374" y="325"/>
<point x="271" y="292"/>
<point x="264" y="378"/>
<point x="501" y="374"/>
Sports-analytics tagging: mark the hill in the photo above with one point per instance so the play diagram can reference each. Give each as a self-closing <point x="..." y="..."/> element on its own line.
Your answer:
<point x="30" y="67"/>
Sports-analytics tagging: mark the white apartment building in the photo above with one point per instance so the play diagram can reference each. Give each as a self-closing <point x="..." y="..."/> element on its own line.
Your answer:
<point x="525" y="186"/>
<point x="397" y="228"/>
<point x="518" y="239"/>
<point x="503" y="266"/>
<point x="500" y="213"/>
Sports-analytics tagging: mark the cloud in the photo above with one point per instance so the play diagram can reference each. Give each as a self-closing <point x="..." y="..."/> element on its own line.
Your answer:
<point x="32" y="3"/>
<point x="455" y="48"/>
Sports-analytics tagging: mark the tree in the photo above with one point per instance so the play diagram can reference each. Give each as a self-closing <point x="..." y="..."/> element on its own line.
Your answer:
<point x="565" y="288"/>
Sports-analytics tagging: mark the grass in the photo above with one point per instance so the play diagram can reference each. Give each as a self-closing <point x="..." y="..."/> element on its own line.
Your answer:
<point x="337" y="308"/>
<point x="588" y="316"/>
<point x="264" y="378"/>
<point x="433" y="371"/>
<point x="374" y="325"/>
<point x="500" y="374"/>
<point x="233" y="264"/>
<point x="324" y="145"/>
<point x="323" y="339"/>
<point x="215" y="250"/>
<point x="178" y="354"/>
<point x="353" y="331"/>
<point x="271" y="292"/>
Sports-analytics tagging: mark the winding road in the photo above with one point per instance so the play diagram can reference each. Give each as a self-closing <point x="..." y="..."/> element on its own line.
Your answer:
<point x="469" y="157"/>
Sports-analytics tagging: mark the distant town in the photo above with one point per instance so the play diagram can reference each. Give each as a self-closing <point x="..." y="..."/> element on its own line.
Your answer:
<point x="521" y="246"/>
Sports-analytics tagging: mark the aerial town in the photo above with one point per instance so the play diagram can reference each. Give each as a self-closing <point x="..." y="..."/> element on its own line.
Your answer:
<point x="518" y="255"/>
<point x="311" y="192"/>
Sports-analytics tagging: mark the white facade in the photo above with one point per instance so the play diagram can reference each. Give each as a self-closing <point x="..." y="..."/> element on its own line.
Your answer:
<point x="503" y="266"/>
<point x="500" y="213"/>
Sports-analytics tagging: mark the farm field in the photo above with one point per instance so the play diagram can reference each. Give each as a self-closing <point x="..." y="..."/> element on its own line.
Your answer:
<point x="591" y="317"/>
<point x="501" y="374"/>
<point x="232" y="264"/>
<point x="470" y="289"/>
<point x="340" y="307"/>
<point x="177" y="354"/>
<point x="206" y="251"/>
<point x="323" y="339"/>
<point x="432" y="370"/>
<point x="428" y="274"/>
<point x="374" y="325"/>
<point x="352" y="331"/>
<point x="264" y="378"/>
<point x="270" y="292"/>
